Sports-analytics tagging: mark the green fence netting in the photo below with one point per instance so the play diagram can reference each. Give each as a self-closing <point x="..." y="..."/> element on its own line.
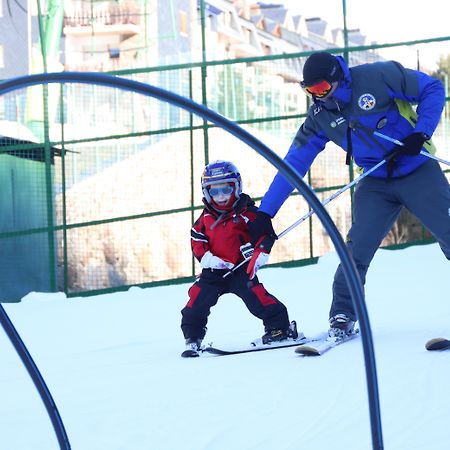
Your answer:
<point x="100" y="186"/>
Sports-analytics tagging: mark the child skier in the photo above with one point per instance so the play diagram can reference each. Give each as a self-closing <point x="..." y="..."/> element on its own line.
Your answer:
<point x="218" y="240"/>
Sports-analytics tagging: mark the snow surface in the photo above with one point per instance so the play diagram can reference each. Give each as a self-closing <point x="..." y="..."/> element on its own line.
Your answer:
<point x="113" y="366"/>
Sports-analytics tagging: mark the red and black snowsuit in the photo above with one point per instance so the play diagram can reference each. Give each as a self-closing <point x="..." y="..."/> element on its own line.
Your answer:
<point x="222" y="235"/>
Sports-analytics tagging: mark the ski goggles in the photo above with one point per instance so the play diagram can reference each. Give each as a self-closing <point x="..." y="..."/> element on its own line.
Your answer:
<point x="224" y="190"/>
<point x="320" y="89"/>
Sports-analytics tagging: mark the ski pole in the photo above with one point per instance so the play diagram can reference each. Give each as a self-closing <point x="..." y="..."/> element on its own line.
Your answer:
<point x="401" y="144"/>
<point x="332" y="197"/>
<point x="346" y="187"/>
<point x="310" y="213"/>
<point x="237" y="267"/>
<point x="247" y="252"/>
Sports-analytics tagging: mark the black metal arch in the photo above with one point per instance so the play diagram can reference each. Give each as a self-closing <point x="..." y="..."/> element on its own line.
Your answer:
<point x="351" y="274"/>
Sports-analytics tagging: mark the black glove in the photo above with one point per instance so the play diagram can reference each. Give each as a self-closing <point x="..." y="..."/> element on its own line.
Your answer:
<point x="266" y="244"/>
<point x="261" y="226"/>
<point x="412" y="144"/>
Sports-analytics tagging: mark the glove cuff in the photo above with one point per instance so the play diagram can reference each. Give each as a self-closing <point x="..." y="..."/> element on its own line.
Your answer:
<point x="265" y="243"/>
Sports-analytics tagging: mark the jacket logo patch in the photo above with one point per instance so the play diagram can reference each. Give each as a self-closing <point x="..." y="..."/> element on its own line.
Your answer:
<point x="317" y="109"/>
<point x="337" y="122"/>
<point x="367" y="102"/>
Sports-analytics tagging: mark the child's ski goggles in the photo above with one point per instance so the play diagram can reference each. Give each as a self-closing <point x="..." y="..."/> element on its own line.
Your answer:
<point x="225" y="190"/>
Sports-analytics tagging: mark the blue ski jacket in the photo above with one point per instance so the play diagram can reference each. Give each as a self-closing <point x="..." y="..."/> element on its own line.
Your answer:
<point x="376" y="97"/>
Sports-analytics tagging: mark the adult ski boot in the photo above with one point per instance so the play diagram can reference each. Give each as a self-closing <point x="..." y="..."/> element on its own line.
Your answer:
<point x="193" y="346"/>
<point x="341" y="325"/>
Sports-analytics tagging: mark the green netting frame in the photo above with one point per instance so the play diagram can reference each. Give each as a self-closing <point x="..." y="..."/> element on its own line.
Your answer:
<point x="78" y="224"/>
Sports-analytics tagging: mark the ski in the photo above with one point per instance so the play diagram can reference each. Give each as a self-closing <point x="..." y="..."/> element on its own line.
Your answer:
<point x="258" y="346"/>
<point x="322" y="346"/>
<point x="438" y="344"/>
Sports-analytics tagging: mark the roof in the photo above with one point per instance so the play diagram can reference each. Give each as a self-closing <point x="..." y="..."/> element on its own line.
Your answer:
<point x="33" y="151"/>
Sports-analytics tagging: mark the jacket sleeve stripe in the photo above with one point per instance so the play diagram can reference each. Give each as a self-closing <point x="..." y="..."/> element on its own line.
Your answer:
<point x="196" y="236"/>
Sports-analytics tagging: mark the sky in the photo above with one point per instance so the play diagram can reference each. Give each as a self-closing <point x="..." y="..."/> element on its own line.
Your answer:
<point x="386" y="21"/>
<point x="112" y="363"/>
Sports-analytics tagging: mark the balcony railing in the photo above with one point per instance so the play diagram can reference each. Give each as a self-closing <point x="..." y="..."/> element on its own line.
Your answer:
<point x="107" y="14"/>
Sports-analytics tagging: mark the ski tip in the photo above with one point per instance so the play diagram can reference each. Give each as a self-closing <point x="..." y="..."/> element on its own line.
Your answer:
<point x="307" y="351"/>
<point x="437" y="344"/>
<point x="216" y="351"/>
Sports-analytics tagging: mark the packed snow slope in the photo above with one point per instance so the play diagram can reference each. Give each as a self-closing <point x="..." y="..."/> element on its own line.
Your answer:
<point x="113" y="366"/>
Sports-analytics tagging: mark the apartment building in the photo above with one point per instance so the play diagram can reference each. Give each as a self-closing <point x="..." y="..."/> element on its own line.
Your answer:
<point x="135" y="33"/>
<point x="20" y="32"/>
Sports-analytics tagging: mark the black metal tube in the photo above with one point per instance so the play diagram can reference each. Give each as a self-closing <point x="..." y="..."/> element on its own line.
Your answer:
<point x="291" y="175"/>
<point x="36" y="376"/>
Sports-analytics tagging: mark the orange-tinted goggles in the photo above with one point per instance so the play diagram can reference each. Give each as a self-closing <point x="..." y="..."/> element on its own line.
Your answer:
<point x="320" y="89"/>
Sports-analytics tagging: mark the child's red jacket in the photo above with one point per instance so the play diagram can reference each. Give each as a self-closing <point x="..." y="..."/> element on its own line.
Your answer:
<point x="223" y="234"/>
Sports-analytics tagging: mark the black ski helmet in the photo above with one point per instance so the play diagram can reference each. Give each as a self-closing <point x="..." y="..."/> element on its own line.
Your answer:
<point x="321" y="66"/>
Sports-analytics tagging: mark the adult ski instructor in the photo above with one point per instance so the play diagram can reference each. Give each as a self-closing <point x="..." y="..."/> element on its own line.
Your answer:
<point x="353" y="107"/>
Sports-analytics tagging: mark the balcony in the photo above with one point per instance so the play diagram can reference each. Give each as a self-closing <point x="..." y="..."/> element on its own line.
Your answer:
<point x="107" y="18"/>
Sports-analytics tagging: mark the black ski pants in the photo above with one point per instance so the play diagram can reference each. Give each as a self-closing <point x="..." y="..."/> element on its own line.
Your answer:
<point x="377" y="204"/>
<point x="210" y="285"/>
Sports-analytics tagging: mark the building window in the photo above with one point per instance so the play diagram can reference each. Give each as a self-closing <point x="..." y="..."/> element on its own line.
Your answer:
<point x="183" y="23"/>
